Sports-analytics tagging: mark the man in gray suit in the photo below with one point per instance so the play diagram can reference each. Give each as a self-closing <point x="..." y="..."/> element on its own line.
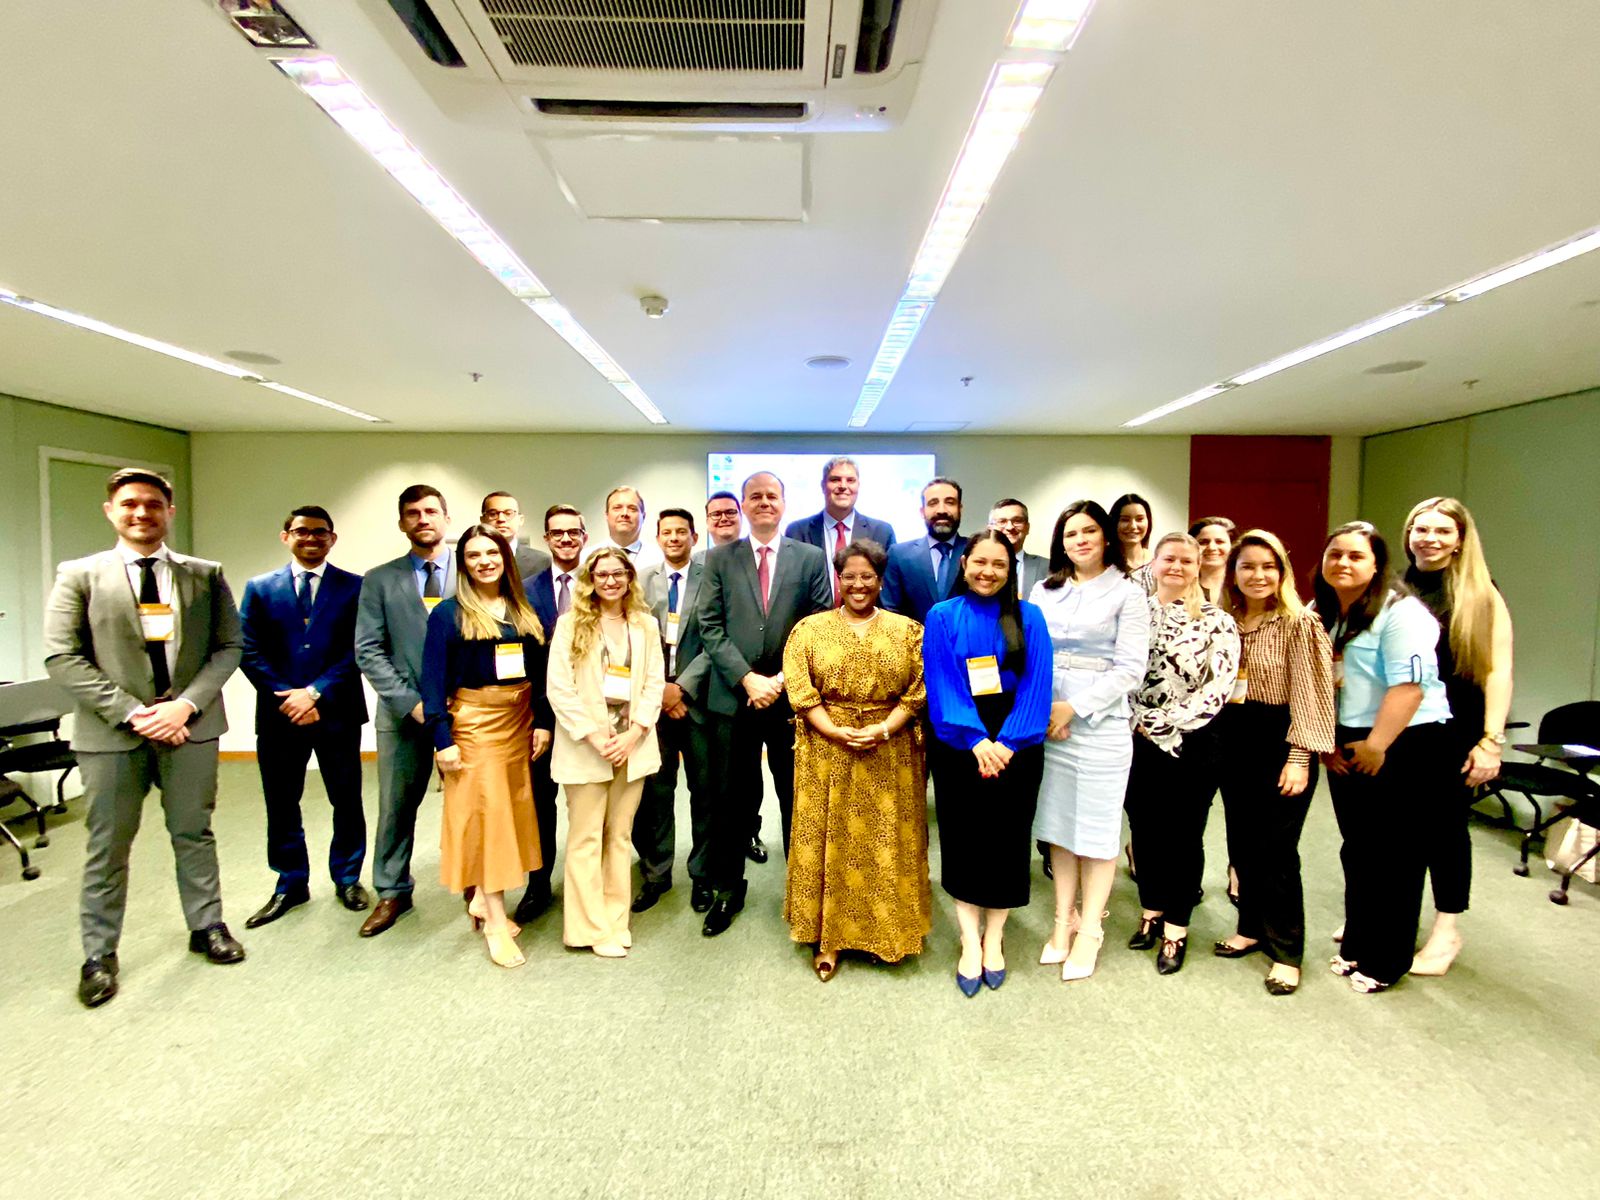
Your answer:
<point x="753" y="592"/>
<point x="391" y="626"/>
<point x="839" y="524"/>
<point x="1010" y="518"/>
<point x="143" y="640"/>
<point x="671" y="588"/>
<point x="501" y="512"/>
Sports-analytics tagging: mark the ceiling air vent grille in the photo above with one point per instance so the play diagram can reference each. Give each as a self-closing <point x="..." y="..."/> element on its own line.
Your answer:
<point x="652" y="35"/>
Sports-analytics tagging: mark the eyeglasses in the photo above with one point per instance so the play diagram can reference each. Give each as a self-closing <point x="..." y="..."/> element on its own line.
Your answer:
<point x="723" y="515"/>
<point x="564" y="535"/>
<point x="609" y="576"/>
<point x="317" y="535"/>
<point x="492" y="514"/>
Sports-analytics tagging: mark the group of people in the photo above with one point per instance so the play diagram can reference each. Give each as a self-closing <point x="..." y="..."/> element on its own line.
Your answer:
<point x="1044" y="695"/>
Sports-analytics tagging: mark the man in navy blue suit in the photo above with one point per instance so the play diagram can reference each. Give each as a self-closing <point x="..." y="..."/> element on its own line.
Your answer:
<point x="549" y="590"/>
<point x="299" y="653"/>
<point x="839" y="524"/>
<point x="921" y="573"/>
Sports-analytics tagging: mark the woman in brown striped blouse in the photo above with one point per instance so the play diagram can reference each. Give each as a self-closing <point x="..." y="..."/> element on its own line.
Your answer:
<point x="1280" y="716"/>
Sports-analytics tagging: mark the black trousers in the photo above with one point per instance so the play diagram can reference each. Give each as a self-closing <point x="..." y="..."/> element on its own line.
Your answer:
<point x="1264" y="826"/>
<point x="283" y="751"/>
<point x="545" y="791"/>
<point x="1444" y="824"/>
<point x="1384" y="858"/>
<point x="1168" y="802"/>
<point x="655" y="830"/>
<point x="735" y="745"/>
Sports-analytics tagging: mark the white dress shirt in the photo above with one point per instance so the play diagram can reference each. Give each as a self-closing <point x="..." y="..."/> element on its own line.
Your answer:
<point x="316" y="577"/>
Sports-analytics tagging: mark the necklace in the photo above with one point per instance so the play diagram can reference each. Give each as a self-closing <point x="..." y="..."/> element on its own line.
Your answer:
<point x="860" y="624"/>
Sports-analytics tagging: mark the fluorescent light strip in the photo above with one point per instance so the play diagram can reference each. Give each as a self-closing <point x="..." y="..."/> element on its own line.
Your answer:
<point x="1049" y="24"/>
<point x="322" y="79"/>
<point x="1540" y="260"/>
<point x="67" y="316"/>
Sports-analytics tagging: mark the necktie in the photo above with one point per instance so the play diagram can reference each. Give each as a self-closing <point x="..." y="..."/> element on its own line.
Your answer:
<point x="838" y="545"/>
<point x="430" y="587"/>
<point x="672" y="592"/>
<point x="303" y="596"/>
<point x="149" y="593"/>
<point x="564" y="596"/>
<point x="764" y="575"/>
<point x="942" y="580"/>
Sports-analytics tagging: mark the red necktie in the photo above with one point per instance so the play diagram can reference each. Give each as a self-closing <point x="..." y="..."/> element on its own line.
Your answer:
<point x="838" y="547"/>
<point x="764" y="574"/>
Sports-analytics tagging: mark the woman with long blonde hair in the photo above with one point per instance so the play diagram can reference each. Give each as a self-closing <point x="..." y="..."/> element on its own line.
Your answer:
<point x="1450" y="576"/>
<point x="1279" y="716"/>
<point x="483" y="670"/>
<point x="607" y="672"/>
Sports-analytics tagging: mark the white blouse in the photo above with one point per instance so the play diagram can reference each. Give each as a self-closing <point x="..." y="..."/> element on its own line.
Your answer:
<point x="1100" y="636"/>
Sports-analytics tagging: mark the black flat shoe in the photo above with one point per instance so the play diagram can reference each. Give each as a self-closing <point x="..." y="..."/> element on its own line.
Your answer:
<point x="97" y="982"/>
<point x="649" y="893"/>
<point x="1170" y="960"/>
<point x="353" y="896"/>
<point x="1280" y="987"/>
<point x="1224" y="950"/>
<point x="1147" y="935"/>
<point x="757" y="852"/>
<point x="216" y="943"/>
<point x="281" y="904"/>
<point x="701" y="897"/>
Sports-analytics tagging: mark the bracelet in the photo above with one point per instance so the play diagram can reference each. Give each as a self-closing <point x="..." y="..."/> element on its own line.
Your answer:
<point x="885" y="728"/>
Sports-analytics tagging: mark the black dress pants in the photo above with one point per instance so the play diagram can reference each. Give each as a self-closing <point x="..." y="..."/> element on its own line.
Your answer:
<point x="1444" y="822"/>
<point x="1264" y="826"/>
<point x="283" y="751"/>
<point x="1168" y="801"/>
<point x="545" y="792"/>
<point x="1384" y="859"/>
<point x="655" y="831"/>
<point x="735" y="745"/>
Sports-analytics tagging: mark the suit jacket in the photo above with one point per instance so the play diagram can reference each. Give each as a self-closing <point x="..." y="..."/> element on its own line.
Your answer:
<point x="95" y="649"/>
<point x="736" y="635"/>
<point x="908" y="582"/>
<point x="1035" y="567"/>
<point x="282" y="651"/>
<point x="574" y="690"/>
<point x="690" y="666"/>
<point x="813" y="531"/>
<point x="541" y="592"/>
<point x="530" y="562"/>
<point x="391" y="630"/>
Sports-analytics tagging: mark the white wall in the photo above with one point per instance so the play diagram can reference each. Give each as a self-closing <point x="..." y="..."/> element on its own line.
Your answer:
<point x="244" y="485"/>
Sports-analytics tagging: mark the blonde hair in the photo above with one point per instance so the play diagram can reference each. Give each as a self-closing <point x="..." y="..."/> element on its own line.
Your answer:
<point x="1468" y="590"/>
<point x="586" y="609"/>
<point x="1287" y="601"/>
<point x="1193" y="597"/>
<point x="474" y="618"/>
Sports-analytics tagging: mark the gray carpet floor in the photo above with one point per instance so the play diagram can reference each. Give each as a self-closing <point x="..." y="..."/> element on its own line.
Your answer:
<point x="409" y="1066"/>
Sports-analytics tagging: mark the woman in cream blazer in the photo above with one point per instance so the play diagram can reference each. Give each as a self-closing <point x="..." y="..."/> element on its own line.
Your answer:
<point x="605" y="680"/>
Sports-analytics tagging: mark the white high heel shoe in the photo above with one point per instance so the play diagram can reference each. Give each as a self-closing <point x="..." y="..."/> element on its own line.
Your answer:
<point x="1071" y="971"/>
<point x="1050" y="956"/>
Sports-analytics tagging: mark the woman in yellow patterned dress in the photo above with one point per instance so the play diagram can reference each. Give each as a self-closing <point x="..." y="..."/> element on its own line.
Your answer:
<point x="858" y="851"/>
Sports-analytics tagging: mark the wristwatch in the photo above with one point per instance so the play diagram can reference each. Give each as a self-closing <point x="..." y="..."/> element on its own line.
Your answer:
<point x="1499" y="739"/>
<point x="311" y="690"/>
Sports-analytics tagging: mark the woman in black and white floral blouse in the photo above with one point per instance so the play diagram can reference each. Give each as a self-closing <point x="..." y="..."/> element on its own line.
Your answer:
<point x="1194" y="657"/>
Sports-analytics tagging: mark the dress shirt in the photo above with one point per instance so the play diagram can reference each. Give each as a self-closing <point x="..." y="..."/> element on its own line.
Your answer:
<point x="830" y="543"/>
<point x="296" y="570"/>
<point x="1397" y="648"/>
<point x="641" y="553"/>
<point x="163" y="574"/>
<point x="447" y="572"/>
<point x="772" y="559"/>
<point x="556" y="574"/>
<point x="1105" y="618"/>
<point x="933" y="553"/>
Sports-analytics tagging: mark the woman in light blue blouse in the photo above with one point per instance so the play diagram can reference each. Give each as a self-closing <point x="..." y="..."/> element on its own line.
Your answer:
<point x="1099" y="626"/>
<point x="986" y="665"/>
<point x="1392" y="749"/>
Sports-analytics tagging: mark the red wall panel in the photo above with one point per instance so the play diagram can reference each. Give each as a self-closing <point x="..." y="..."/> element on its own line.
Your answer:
<point x="1275" y="483"/>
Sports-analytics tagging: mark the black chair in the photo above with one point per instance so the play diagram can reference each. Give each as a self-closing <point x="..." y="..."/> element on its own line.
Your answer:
<point x="1563" y="733"/>
<point x="28" y="709"/>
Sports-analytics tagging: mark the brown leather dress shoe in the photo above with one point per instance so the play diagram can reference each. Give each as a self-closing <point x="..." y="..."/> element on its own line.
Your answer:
<point x="384" y="914"/>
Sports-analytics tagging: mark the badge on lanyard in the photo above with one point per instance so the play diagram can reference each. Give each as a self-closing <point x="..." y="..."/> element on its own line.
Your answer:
<point x="1338" y="671"/>
<point x="983" y="675"/>
<point x="617" y="685"/>
<point x="671" y="634"/>
<point x="1241" y="685"/>
<point x="431" y="602"/>
<point x="156" y="621"/>
<point x="508" y="662"/>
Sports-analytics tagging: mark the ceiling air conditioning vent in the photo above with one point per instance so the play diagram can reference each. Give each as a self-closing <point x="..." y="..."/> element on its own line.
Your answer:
<point x="806" y="65"/>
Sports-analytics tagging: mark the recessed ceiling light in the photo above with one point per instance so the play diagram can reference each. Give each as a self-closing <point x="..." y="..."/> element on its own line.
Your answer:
<point x="1399" y="367"/>
<point x="253" y="358"/>
<point x="828" y="362"/>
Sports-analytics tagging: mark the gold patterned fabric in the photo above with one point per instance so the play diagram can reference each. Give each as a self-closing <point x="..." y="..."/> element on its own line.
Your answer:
<point x="858" y="845"/>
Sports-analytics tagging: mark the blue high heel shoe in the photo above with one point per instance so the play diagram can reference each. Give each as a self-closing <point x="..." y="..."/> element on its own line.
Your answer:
<point x="969" y="987"/>
<point x="993" y="979"/>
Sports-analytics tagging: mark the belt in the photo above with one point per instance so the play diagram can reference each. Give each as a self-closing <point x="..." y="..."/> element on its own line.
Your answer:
<point x="1081" y="662"/>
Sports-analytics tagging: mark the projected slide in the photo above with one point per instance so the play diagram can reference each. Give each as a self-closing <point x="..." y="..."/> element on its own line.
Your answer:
<point x="891" y="484"/>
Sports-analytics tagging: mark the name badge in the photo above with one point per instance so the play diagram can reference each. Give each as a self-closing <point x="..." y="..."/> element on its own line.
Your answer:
<point x="983" y="675"/>
<point x="508" y="661"/>
<point x="156" y="621"/>
<point x="618" y="683"/>
<point x="431" y="602"/>
<point x="1241" y="685"/>
<point x="671" y="634"/>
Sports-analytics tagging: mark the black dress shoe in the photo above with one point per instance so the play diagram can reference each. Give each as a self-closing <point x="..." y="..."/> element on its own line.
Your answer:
<point x="1224" y="950"/>
<point x="649" y="893"/>
<point x="723" y="910"/>
<point x="353" y="896"/>
<point x="757" y="853"/>
<point x="217" y="944"/>
<point x="1147" y="935"/>
<point x="533" y="904"/>
<point x="701" y="897"/>
<point x="278" y="906"/>
<point x="97" y="982"/>
<point x="1170" y="960"/>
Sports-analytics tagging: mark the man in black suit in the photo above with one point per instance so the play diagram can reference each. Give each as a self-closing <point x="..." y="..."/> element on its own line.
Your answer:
<point x="921" y="573"/>
<point x="1009" y="517"/>
<point x="300" y="655"/>
<point x="502" y="513"/>
<point x="839" y="524"/>
<point x="549" y="590"/>
<point x="752" y="593"/>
